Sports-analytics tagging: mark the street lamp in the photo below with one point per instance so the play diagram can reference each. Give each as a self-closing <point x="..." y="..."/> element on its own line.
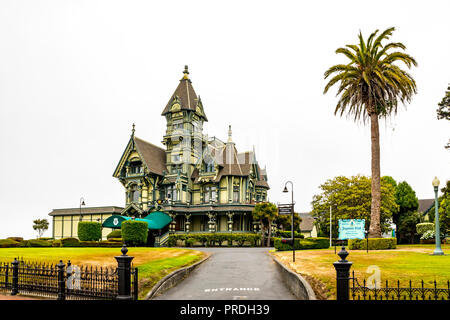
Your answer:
<point x="285" y="190"/>
<point x="437" y="251"/>
<point x="81" y="204"/>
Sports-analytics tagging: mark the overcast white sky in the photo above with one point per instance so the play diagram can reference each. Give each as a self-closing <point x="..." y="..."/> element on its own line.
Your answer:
<point x="75" y="75"/>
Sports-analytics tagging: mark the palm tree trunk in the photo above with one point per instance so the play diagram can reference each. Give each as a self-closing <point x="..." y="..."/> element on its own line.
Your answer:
<point x="270" y="233"/>
<point x="375" y="228"/>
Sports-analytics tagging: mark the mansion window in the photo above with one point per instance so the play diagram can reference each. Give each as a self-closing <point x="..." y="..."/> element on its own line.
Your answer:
<point x="235" y="193"/>
<point x="209" y="194"/>
<point x="176" y="158"/>
<point x="208" y="167"/>
<point x="178" y="126"/>
<point x="135" y="168"/>
<point x="177" y="168"/>
<point x="171" y="193"/>
<point x="134" y="195"/>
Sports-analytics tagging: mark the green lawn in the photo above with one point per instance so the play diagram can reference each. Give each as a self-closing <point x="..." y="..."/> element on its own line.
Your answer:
<point x="153" y="263"/>
<point x="407" y="262"/>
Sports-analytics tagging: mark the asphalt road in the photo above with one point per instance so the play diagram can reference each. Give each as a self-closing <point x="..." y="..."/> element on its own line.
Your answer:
<point x="232" y="274"/>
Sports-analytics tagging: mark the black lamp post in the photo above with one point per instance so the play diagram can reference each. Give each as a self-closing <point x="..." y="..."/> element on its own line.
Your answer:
<point x="285" y="190"/>
<point x="81" y="204"/>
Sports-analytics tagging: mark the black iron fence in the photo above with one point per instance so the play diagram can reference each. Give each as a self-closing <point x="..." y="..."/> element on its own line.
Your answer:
<point x="365" y="291"/>
<point x="373" y="291"/>
<point x="66" y="281"/>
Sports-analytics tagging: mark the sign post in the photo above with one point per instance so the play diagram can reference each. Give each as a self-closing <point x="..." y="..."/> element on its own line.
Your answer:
<point x="286" y="209"/>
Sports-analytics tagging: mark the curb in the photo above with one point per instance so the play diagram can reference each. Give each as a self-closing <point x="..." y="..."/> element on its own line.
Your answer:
<point x="173" y="279"/>
<point x="296" y="283"/>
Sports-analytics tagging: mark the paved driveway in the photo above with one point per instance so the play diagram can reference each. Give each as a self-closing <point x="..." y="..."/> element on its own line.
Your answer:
<point x="232" y="274"/>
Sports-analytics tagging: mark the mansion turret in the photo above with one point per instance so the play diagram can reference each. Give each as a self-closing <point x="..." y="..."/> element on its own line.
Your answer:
<point x="203" y="183"/>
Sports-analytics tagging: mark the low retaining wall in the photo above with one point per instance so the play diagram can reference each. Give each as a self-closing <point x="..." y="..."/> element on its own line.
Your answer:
<point x="295" y="282"/>
<point x="172" y="279"/>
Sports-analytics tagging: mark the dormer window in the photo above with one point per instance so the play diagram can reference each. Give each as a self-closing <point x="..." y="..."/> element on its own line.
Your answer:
<point x="208" y="167"/>
<point x="136" y="167"/>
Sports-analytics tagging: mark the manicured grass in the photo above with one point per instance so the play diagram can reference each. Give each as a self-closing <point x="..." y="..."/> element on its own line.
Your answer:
<point x="407" y="262"/>
<point x="153" y="263"/>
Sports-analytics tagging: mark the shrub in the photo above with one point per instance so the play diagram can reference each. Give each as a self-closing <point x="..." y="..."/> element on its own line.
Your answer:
<point x="114" y="234"/>
<point x="288" y="234"/>
<point x="374" y="244"/>
<point x="430" y="234"/>
<point x="70" y="242"/>
<point x="212" y="239"/>
<point x="56" y="243"/>
<point x="302" y="244"/>
<point x="45" y="238"/>
<point x="37" y="243"/>
<point x="109" y="244"/>
<point x="18" y="239"/>
<point x="424" y="227"/>
<point x="116" y="240"/>
<point x="134" y="232"/>
<point x="8" y="243"/>
<point x="89" y="231"/>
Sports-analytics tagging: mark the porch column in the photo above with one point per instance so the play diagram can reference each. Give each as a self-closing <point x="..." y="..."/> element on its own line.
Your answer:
<point x="188" y="223"/>
<point x="230" y="221"/>
<point x="212" y="222"/>
<point x="173" y="223"/>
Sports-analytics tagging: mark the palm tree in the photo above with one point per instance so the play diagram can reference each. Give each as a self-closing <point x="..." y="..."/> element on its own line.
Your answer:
<point x="370" y="87"/>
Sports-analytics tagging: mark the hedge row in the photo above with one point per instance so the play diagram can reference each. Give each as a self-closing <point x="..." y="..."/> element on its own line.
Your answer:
<point x="89" y="231"/>
<point x="374" y="244"/>
<point x="74" y="242"/>
<point x="66" y="242"/>
<point x="134" y="233"/>
<point x="302" y="244"/>
<point x="288" y="234"/>
<point x="114" y="234"/>
<point x="214" y="239"/>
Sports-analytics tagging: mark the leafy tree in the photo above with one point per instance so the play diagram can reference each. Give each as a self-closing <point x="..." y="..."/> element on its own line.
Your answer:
<point x="390" y="180"/>
<point x="407" y="202"/>
<point x="443" y="112"/>
<point x="370" y="86"/>
<point x="284" y="222"/>
<point x="266" y="213"/>
<point x="350" y="198"/>
<point x="40" y="225"/>
<point x="407" y="225"/>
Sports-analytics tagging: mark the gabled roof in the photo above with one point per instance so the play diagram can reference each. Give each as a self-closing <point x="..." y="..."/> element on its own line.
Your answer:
<point x="425" y="205"/>
<point x="186" y="96"/>
<point x="153" y="157"/>
<point x="307" y="223"/>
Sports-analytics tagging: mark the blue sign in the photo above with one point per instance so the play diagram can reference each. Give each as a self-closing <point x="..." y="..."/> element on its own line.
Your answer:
<point x="351" y="229"/>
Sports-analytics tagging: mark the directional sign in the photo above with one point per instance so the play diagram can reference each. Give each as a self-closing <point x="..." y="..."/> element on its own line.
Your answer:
<point x="285" y="209"/>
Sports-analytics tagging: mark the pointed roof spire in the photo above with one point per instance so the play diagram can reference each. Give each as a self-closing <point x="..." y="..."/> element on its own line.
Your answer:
<point x="132" y="131"/>
<point x="186" y="73"/>
<point x="230" y="139"/>
<point x="186" y="97"/>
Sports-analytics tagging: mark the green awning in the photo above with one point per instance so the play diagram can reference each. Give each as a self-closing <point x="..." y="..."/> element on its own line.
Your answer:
<point x="155" y="220"/>
<point x="114" y="221"/>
